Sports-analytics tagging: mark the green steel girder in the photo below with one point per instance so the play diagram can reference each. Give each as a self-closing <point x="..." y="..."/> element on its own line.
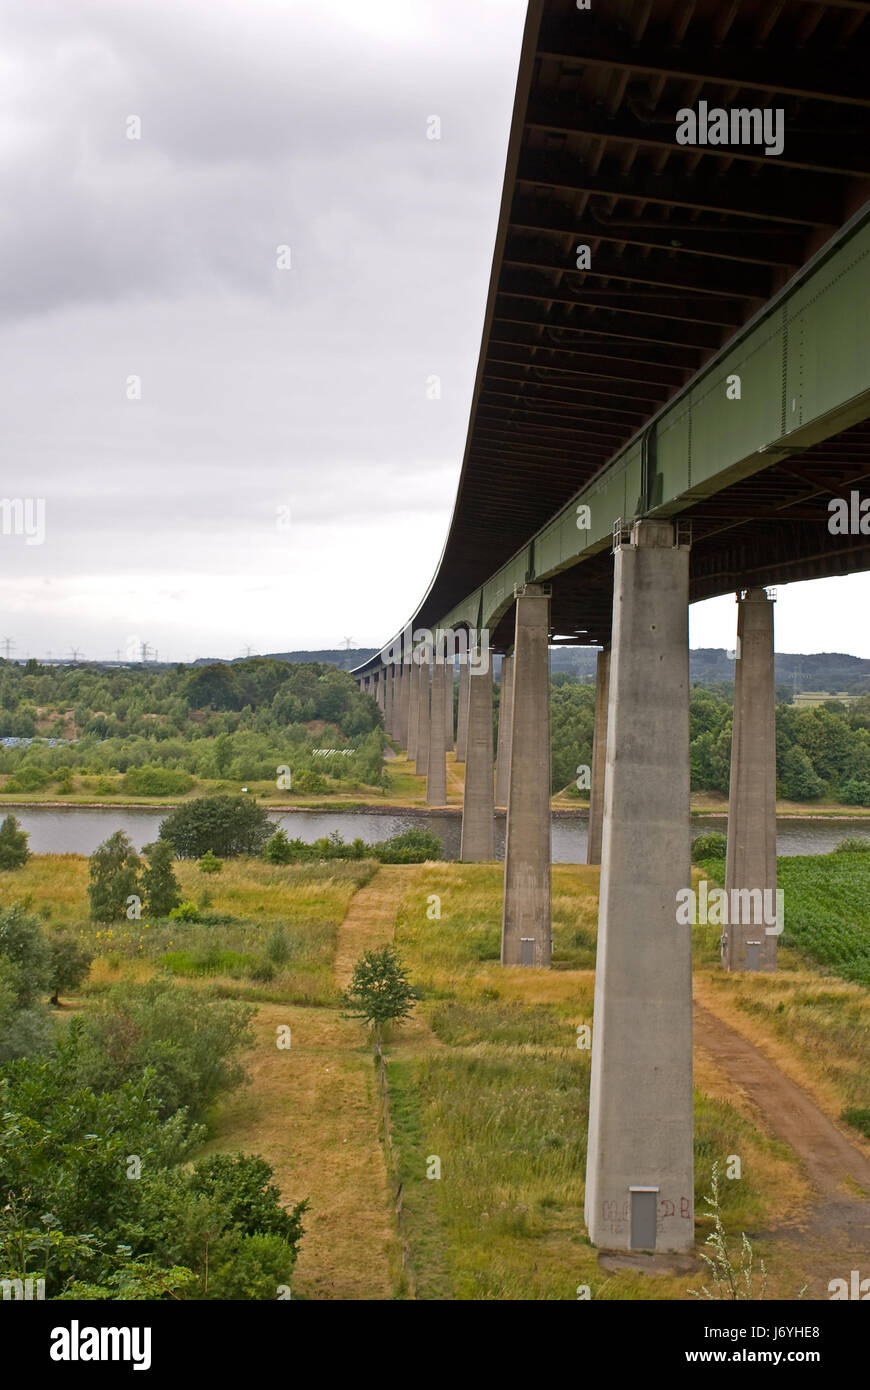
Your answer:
<point x="804" y="369"/>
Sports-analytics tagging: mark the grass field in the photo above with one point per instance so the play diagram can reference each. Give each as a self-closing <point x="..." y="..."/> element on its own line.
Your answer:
<point x="487" y="1076"/>
<point x="503" y="1104"/>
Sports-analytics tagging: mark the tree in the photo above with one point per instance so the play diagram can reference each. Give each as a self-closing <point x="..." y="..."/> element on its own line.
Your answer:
<point x="113" y="868"/>
<point x="24" y="944"/>
<point x="379" y="991"/>
<point x="13" y="844"/>
<point x="213" y="687"/>
<point x="798" y="779"/>
<point x="226" y="825"/>
<point x="68" y="965"/>
<point x="278" y="849"/>
<point x="160" y="887"/>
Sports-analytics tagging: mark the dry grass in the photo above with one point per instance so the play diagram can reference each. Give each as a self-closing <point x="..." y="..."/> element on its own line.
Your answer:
<point x="310" y="1110"/>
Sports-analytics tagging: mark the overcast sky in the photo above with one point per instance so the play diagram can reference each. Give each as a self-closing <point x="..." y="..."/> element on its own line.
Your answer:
<point x="282" y="480"/>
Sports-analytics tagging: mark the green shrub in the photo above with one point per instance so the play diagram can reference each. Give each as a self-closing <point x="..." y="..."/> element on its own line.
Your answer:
<point x="149" y="780"/>
<point x="859" y="1119"/>
<point x="185" y="912"/>
<point x="28" y="779"/>
<point x="13" y="844"/>
<point x="853" y="844"/>
<point x="189" y="1042"/>
<point x="855" y="792"/>
<point x="277" y="946"/>
<point x="278" y="849"/>
<point x="411" y="847"/>
<point x="210" y="864"/>
<point x="159" y="884"/>
<point x="312" y="783"/>
<point x="69" y="964"/>
<point x="114" y="877"/>
<point x="224" y="825"/>
<point x="711" y="845"/>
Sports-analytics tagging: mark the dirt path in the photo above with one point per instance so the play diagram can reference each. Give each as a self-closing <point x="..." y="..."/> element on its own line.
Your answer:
<point x="835" y="1234"/>
<point x="370" y="919"/>
<point x="312" y="1111"/>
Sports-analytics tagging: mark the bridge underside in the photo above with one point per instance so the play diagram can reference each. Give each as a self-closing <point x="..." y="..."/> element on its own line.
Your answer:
<point x="770" y="528"/>
<point x="686" y="243"/>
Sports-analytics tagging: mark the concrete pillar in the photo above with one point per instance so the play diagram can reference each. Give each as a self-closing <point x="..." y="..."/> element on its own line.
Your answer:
<point x="639" y="1154"/>
<point x="424" y="683"/>
<point x="599" y="758"/>
<point x="527" y="927"/>
<point x="388" y="699"/>
<point x="380" y="689"/>
<point x="478" y="839"/>
<point x="462" y="720"/>
<point x="505" y="707"/>
<point x="751" y="855"/>
<point x="413" y="676"/>
<point x="403" y="672"/>
<point x="448" y="705"/>
<point x="436" y="779"/>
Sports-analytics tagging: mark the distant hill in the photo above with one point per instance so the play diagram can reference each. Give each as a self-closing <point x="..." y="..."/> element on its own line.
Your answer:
<point x="345" y="658"/>
<point x="822" y="671"/>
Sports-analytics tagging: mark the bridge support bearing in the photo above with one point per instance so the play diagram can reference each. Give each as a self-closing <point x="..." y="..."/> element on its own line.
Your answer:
<point x="505" y="709"/>
<point x="478" y="838"/>
<point x="751" y="856"/>
<point x="424" y="685"/>
<point x="527" y="929"/>
<point x="462" y="720"/>
<point x="436" y="780"/>
<point x="640" y="1104"/>
<point x="599" y="758"/>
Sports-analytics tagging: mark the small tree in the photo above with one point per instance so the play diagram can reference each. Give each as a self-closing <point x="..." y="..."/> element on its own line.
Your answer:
<point x="69" y="963"/>
<point x="226" y="825"/>
<point x="114" y="869"/>
<point x="278" y="849"/>
<point x="160" y="887"/>
<point x="210" y="864"/>
<point x="13" y="844"/>
<point x="379" y="991"/>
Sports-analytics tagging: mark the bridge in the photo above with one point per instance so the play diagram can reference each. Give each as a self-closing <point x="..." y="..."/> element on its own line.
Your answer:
<point x="671" y="403"/>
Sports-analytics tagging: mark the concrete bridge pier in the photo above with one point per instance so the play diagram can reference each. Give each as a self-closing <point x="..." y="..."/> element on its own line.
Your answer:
<point x="478" y="839"/>
<point x="413" y="675"/>
<point x="387" y="678"/>
<point x="380" y="690"/>
<point x="436" y="780"/>
<point x="751" y="855"/>
<point x="462" y="719"/>
<point x="424" y="686"/>
<point x="599" y="758"/>
<point x="639" y="1168"/>
<point x="403" y="671"/>
<point x="448" y="704"/>
<point x="505" y="708"/>
<point x="527" y="928"/>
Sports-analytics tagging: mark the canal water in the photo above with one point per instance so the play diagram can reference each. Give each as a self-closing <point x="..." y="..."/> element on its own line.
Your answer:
<point x="79" y="829"/>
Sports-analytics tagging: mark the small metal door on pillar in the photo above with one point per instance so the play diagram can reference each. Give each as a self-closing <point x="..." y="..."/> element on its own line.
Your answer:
<point x="644" y="1201"/>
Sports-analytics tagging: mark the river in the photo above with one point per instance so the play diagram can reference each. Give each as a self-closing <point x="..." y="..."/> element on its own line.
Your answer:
<point x="79" y="829"/>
